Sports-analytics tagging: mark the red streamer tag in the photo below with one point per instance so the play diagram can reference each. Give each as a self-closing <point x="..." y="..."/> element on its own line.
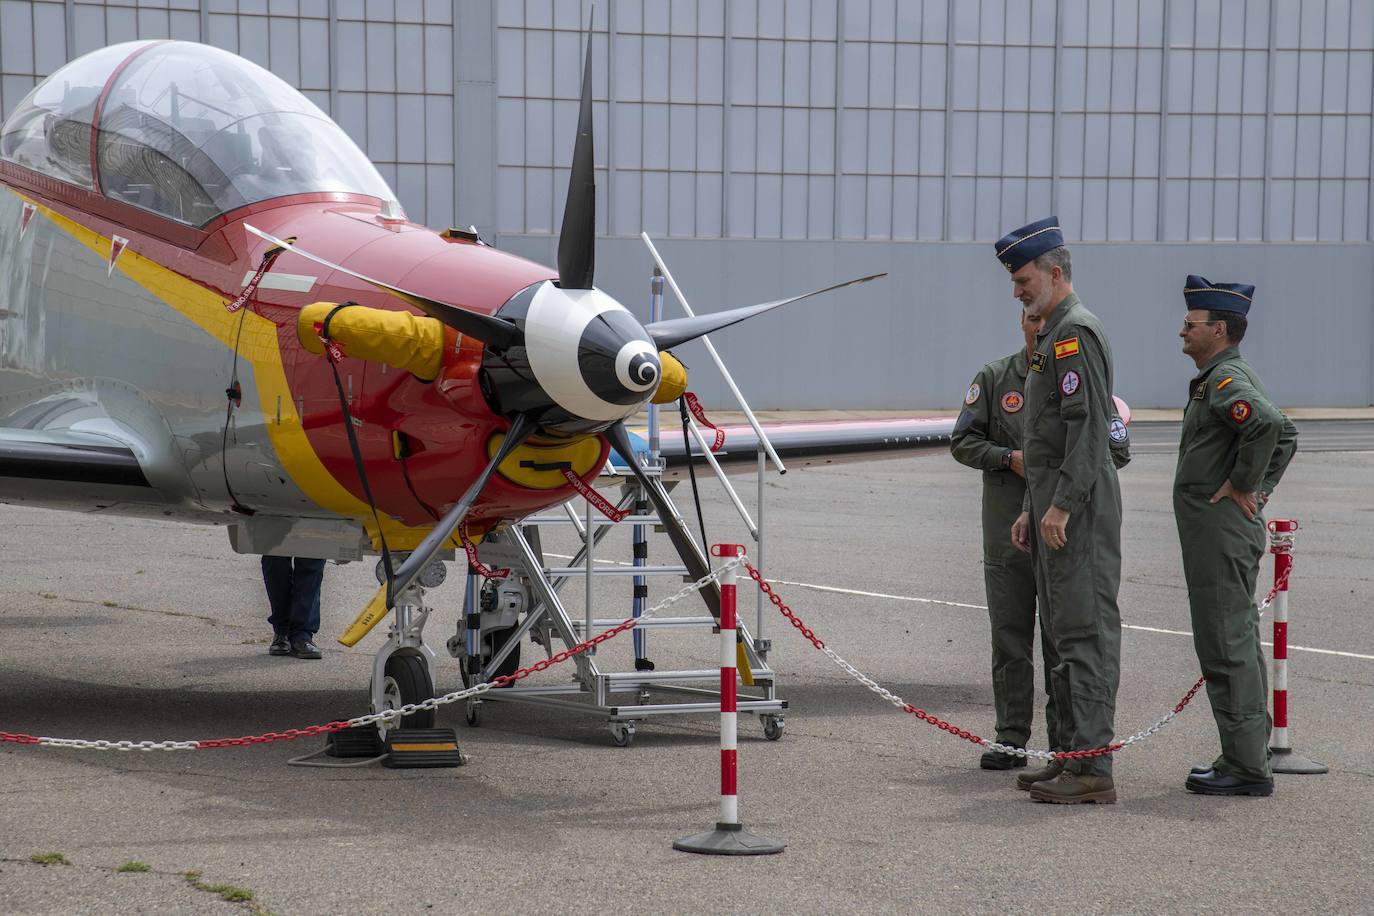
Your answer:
<point x="596" y="499"/>
<point x="700" y="414"/>
<point x="335" y="351"/>
<point x="486" y="572"/>
<point x="242" y="298"/>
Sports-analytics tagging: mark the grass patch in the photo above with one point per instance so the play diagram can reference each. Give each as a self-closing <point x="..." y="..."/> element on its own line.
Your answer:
<point x="228" y="892"/>
<point x="110" y="603"/>
<point x="48" y="858"/>
<point x="135" y="866"/>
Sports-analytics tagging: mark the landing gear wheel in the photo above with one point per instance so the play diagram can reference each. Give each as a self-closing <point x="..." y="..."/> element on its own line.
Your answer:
<point x="623" y="733"/>
<point x="499" y="637"/>
<point x="772" y="727"/>
<point x="472" y="713"/>
<point x="407" y="681"/>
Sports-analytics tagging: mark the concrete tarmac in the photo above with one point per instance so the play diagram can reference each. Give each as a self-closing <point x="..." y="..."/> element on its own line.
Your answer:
<point x="114" y="628"/>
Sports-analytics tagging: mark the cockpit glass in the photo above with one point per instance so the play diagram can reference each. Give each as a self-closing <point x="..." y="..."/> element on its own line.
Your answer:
<point x="192" y="132"/>
<point x="50" y="131"/>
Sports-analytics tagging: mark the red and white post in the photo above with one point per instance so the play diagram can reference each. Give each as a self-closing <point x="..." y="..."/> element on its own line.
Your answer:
<point x="729" y="838"/>
<point x="1284" y="760"/>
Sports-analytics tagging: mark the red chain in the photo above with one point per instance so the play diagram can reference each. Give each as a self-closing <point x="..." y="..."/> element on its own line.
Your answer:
<point x="935" y="720"/>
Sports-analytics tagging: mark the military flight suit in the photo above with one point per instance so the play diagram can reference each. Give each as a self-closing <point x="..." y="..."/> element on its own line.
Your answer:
<point x="1231" y="431"/>
<point x="1068" y="464"/>
<point x="986" y="433"/>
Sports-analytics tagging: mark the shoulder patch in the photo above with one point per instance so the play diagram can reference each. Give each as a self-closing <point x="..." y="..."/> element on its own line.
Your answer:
<point x="1117" y="430"/>
<point x="974" y="392"/>
<point x="1066" y="348"/>
<point x="1069" y="383"/>
<point x="1013" y="401"/>
<point x="1224" y="382"/>
<point x="1038" y="361"/>
<point x="1240" y="411"/>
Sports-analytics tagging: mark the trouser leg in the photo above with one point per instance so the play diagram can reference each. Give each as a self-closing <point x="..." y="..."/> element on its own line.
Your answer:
<point x="277" y="577"/>
<point x="1011" y="612"/>
<point x="1227" y="638"/>
<point x="1083" y="580"/>
<point x="305" y="597"/>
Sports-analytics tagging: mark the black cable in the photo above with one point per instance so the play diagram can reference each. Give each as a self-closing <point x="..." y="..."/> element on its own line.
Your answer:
<point x="353" y="446"/>
<point x="691" y="471"/>
<point x="234" y="392"/>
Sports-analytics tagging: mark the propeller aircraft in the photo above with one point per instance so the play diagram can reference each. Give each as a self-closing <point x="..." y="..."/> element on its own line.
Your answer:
<point x="213" y="310"/>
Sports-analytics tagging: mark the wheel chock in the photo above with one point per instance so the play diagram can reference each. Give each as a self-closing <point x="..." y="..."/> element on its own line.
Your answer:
<point x="358" y="741"/>
<point x="421" y="748"/>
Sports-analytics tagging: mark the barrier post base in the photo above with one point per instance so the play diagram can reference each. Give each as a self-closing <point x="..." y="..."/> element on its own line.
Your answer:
<point x="1285" y="761"/>
<point x="729" y="840"/>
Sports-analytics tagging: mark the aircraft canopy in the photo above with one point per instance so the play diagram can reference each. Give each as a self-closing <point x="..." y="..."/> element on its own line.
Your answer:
<point x="186" y="130"/>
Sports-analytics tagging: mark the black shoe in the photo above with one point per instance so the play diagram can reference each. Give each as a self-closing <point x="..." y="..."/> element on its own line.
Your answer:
<point x="279" y="646"/>
<point x="1201" y="769"/>
<point x="304" y="648"/>
<point x="1214" y="782"/>
<point x="996" y="760"/>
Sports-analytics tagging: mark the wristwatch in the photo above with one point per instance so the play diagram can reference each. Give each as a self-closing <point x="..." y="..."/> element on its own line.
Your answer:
<point x="1006" y="459"/>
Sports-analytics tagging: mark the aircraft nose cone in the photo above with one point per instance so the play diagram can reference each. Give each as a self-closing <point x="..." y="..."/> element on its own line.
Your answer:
<point x="617" y="359"/>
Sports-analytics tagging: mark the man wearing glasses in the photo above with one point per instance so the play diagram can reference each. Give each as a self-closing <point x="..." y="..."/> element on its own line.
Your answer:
<point x="1234" y="447"/>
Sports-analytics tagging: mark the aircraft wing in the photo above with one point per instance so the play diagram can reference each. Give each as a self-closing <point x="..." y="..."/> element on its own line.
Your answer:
<point x="802" y="444"/>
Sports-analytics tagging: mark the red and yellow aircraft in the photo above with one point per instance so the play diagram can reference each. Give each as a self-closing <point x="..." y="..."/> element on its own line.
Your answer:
<point x="178" y="227"/>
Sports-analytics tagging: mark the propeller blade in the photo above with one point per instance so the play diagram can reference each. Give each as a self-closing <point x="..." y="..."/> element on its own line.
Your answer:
<point x="687" y="549"/>
<point x="674" y="331"/>
<point x="577" y="238"/>
<point x="520" y="430"/>
<point x="495" y="332"/>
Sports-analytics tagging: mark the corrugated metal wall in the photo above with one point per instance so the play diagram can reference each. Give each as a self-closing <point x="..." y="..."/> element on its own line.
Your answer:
<point x="841" y="128"/>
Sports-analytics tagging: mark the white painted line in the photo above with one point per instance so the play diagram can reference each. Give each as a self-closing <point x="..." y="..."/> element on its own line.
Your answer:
<point x="983" y="607"/>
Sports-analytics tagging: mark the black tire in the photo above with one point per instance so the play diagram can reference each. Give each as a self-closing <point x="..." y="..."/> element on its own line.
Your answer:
<point x="512" y="662"/>
<point x="413" y="683"/>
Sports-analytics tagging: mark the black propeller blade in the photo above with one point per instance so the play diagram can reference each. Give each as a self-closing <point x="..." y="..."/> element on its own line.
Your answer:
<point x="577" y="238"/>
<point x="497" y="333"/>
<point x="670" y="333"/>
<point x="520" y="430"/>
<point x="687" y="549"/>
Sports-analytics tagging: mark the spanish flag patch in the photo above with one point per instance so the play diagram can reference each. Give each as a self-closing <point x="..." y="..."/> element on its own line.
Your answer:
<point x="1224" y="382"/>
<point x="1066" y="348"/>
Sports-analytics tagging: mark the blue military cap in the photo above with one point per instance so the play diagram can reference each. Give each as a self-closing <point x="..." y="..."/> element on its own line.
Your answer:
<point x="1019" y="247"/>
<point x="1201" y="293"/>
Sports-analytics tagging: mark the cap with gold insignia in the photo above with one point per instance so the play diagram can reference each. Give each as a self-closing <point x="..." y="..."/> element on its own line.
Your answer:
<point x="1019" y="247"/>
<point x="1201" y="293"/>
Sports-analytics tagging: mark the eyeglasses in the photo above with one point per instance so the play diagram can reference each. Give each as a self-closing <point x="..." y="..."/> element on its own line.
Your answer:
<point x="1188" y="321"/>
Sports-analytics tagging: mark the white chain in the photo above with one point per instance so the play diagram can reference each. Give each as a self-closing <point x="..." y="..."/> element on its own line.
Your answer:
<point x="386" y="715"/>
<point x="1008" y="749"/>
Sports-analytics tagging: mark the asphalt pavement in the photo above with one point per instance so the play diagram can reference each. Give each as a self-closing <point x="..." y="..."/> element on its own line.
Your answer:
<point x="114" y="628"/>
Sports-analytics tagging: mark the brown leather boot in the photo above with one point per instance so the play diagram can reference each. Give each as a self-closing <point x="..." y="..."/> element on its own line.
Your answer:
<point x="1075" y="789"/>
<point x="1025" y="780"/>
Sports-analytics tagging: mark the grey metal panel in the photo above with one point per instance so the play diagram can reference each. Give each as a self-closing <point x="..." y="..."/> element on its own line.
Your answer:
<point x="1134" y="288"/>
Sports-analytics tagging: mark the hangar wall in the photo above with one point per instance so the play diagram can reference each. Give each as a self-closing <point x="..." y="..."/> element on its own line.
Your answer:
<point x="782" y="144"/>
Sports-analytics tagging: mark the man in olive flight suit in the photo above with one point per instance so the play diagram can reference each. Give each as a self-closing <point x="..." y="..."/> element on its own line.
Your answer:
<point x="987" y="436"/>
<point x="1071" y="519"/>
<point x="1233" y="450"/>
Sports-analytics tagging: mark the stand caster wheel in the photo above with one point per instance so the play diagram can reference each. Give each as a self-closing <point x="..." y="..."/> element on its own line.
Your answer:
<point x="472" y="713"/>
<point x="622" y="733"/>
<point x="644" y="697"/>
<point x="772" y="727"/>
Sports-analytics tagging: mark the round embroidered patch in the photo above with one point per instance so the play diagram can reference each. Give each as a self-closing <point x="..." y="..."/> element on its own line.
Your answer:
<point x="1240" y="411"/>
<point x="974" y="391"/>
<point x="1013" y="401"/>
<point x="1069" y="383"/>
<point x="1117" y="430"/>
